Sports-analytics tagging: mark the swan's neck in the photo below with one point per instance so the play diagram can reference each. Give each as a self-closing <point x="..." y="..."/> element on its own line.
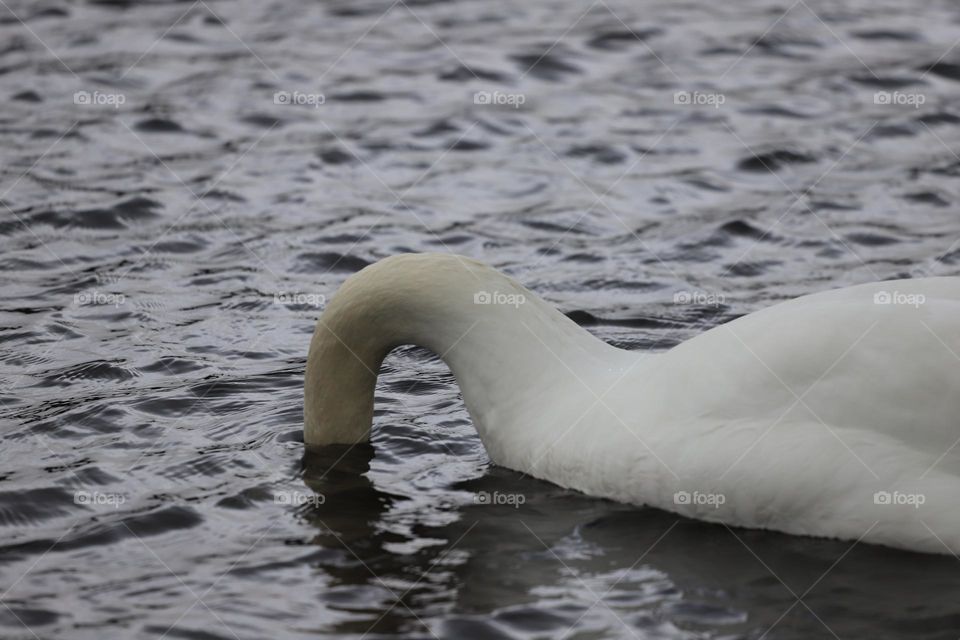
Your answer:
<point x="504" y="345"/>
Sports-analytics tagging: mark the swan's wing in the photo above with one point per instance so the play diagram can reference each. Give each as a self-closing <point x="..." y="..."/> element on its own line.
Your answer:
<point x="882" y="357"/>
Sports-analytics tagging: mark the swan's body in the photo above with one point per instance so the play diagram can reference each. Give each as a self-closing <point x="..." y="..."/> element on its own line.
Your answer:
<point x="793" y="417"/>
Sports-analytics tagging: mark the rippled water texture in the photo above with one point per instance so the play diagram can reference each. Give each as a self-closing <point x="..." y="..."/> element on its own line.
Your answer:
<point x="169" y="233"/>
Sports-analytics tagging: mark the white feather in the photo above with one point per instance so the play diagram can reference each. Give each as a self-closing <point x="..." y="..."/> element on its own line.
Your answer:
<point x="836" y="414"/>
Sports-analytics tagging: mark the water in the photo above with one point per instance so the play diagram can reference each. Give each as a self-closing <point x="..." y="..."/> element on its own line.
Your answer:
<point x="168" y="239"/>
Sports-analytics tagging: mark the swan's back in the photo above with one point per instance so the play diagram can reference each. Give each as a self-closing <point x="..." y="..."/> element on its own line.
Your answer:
<point x="805" y="416"/>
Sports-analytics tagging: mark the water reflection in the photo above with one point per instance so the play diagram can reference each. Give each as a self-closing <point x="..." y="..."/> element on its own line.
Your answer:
<point x="563" y="563"/>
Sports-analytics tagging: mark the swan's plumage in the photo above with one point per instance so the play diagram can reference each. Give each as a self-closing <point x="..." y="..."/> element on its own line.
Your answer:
<point x="801" y="417"/>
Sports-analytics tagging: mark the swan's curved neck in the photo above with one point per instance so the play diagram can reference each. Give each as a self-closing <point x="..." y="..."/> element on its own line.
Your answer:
<point x="495" y="335"/>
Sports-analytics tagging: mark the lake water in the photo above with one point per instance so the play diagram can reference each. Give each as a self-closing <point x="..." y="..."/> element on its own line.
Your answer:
<point x="185" y="184"/>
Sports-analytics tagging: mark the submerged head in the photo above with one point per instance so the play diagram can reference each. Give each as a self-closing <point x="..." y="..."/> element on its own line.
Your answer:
<point x="405" y="299"/>
<point x="491" y="331"/>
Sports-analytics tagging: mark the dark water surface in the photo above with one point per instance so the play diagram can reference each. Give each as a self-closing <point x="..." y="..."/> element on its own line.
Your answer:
<point x="166" y="249"/>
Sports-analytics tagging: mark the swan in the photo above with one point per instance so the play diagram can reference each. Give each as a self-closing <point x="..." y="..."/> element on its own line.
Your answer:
<point x="835" y="414"/>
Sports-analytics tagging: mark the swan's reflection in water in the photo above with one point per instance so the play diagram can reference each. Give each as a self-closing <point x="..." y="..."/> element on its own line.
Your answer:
<point x="565" y="565"/>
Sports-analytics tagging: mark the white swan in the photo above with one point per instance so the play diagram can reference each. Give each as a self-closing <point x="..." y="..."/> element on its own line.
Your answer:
<point x="836" y="414"/>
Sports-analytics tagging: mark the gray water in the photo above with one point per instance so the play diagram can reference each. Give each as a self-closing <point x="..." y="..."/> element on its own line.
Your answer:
<point x="170" y="235"/>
